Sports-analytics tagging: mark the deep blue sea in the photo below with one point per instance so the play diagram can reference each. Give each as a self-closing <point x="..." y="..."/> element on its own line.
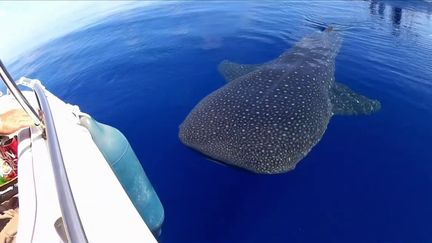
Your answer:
<point x="368" y="180"/>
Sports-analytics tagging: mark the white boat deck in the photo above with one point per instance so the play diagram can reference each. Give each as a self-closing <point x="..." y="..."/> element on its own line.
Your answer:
<point x="105" y="210"/>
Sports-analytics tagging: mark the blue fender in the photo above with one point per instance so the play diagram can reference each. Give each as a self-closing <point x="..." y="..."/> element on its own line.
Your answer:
<point x="126" y="166"/>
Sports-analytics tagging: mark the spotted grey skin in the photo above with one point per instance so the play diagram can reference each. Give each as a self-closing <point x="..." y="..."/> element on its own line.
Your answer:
<point x="268" y="117"/>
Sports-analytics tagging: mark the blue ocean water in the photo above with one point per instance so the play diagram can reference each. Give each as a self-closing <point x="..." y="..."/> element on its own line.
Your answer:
<point x="368" y="180"/>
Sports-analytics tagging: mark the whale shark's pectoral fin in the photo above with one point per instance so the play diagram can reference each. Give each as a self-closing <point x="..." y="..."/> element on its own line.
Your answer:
<point x="216" y="161"/>
<point x="347" y="102"/>
<point x="232" y="70"/>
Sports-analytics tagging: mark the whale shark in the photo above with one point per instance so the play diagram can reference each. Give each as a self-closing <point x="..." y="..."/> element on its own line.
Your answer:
<point x="269" y="116"/>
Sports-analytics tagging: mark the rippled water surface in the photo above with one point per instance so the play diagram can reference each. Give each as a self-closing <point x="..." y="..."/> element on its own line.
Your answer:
<point x="368" y="180"/>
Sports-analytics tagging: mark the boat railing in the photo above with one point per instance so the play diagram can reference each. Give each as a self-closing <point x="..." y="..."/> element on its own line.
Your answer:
<point x="12" y="87"/>
<point x="71" y="220"/>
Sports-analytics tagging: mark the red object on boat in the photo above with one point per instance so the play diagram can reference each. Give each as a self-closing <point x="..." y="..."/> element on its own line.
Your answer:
<point x="11" y="145"/>
<point x="9" y="153"/>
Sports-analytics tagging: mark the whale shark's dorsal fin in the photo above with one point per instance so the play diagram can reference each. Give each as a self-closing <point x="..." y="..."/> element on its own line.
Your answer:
<point x="232" y="70"/>
<point x="347" y="102"/>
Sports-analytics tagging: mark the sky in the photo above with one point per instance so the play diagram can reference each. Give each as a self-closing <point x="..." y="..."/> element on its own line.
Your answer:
<point x="27" y="24"/>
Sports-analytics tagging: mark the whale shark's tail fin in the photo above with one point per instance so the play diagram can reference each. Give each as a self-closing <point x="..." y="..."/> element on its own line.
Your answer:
<point x="347" y="102"/>
<point x="329" y="29"/>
